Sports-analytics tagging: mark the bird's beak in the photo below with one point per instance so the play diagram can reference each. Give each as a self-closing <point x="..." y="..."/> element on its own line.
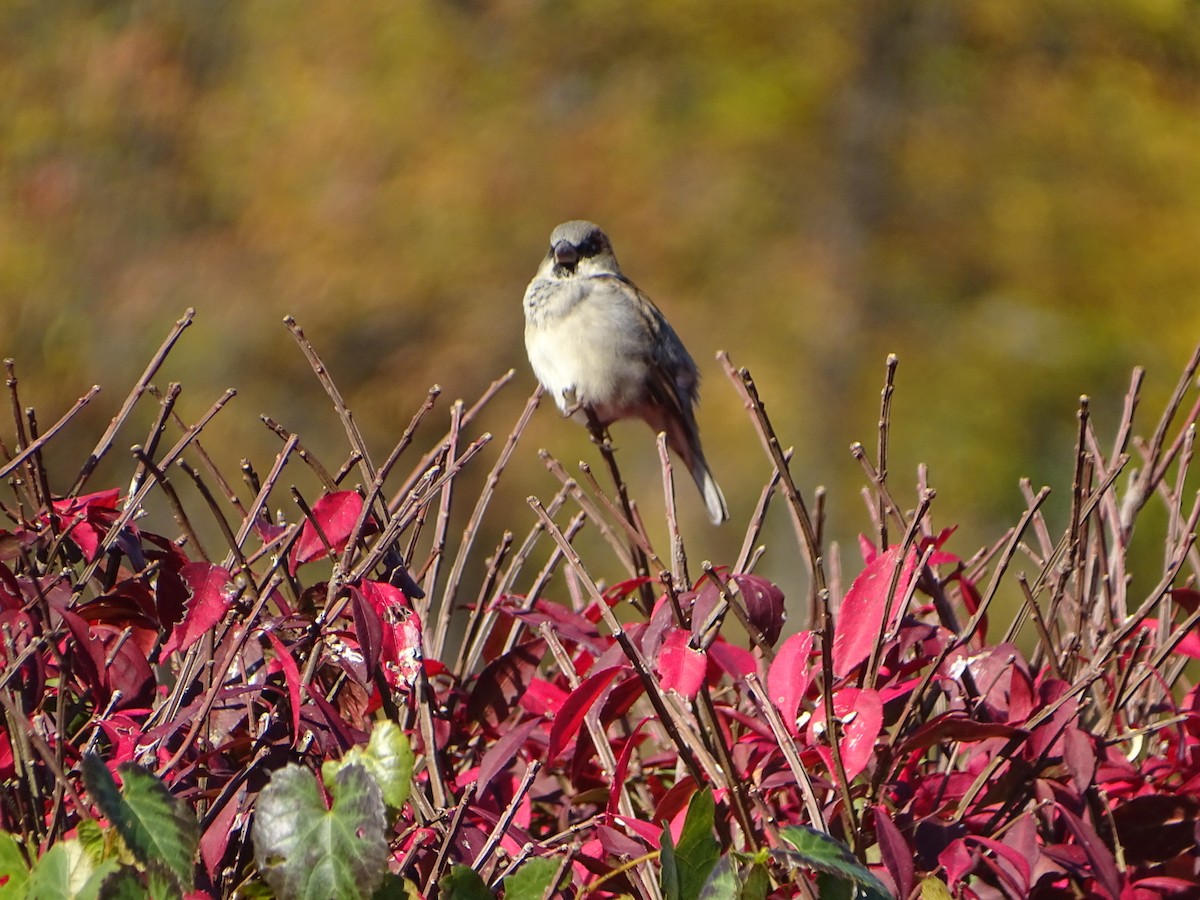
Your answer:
<point x="565" y="254"/>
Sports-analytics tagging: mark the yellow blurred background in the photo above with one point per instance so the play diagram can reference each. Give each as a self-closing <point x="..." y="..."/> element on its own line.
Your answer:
<point x="1005" y="194"/>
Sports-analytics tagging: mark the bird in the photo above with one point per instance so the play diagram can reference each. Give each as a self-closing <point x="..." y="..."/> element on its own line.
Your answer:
<point x="604" y="352"/>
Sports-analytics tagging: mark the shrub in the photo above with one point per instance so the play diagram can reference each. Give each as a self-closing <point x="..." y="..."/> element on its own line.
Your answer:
<point x="561" y="729"/>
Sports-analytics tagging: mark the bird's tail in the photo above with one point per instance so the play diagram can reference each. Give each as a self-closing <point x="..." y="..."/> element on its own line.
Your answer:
<point x="684" y="438"/>
<point x="714" y="500"/>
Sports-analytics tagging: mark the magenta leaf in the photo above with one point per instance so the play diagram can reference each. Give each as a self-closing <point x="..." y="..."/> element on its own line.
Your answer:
<point x="680" y="666"/>
<point x="622" y="769"/>
<point x="212" y="593"/>
<point x="291" y="678"/>
<point x="1155" y="828"/>
<point x="735" y="661"/>
<point x="789" y="677"/>
<point x="860" y="621"/>
<point x="337" y="514"/>
<point x="860" y="716"/>
<point x="128" y="671"/>
<point x="368" y="628"/>
<point x="1017" y="871"/>
<point x="896" y="854"/>
<point x="503" y="683"/>
<point x="89" y="660"/>
<point x="87" y="519"/>
<point x="501" y="753"/>
<point x="577" y="705"/>
<point x="955" y="726"/>
<point x="764" y="604"/>
<point x="1104" y="867"/>
<point x="401" y="646"/>
<point x="1189" y="644"/>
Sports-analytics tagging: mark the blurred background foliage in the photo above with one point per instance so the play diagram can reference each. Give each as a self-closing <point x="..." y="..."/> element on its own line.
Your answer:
<point x="1006" y="195"/>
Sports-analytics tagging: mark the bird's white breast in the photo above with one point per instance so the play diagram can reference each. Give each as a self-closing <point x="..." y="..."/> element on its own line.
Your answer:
<point x="585" y="341"/>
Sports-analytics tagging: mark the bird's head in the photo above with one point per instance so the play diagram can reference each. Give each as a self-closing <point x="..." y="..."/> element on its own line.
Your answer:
<point x="580" y="248"/>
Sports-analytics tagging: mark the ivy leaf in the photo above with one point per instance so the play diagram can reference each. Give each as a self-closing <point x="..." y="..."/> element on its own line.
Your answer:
<point x="756" y="883"/>
<point x="125" y="884"/>
<point x="65" y="872"/>
<point x="388" y="757"/>
<point x="157" y="827"/>
<point x="687" y="866"/>
<point x="304" y="849"/>
<point x="14" y="870"/>
<point x="722" y="883"/>
<point x="817" y="850"/>
<point x="933" y="888"/>
<point x="463" y="883"/>
<point x="532" y="879"/>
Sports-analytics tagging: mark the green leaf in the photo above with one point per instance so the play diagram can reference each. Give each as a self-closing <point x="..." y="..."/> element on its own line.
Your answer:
<point x="127" y="885"/>
<point x="933" y="888"/>
<point x="668" y="878"/>
<point x="388" y="757"/>
<point x="396" y="887"/>
<point x="722" y="883"/>
<point x="697" y="851"/>
<point x="463" y="883"/>
<point x="305" y="850"/>
<point x="831" y="887"/>
<point x="157" y="827"/>
<point x="756" y="883"/>
<point x="66" y="872"/>
<point x="13" y="867"/>
<point x="817" y="850"/>
<point x="92" y="837"/>
<point x="532" y="879"/>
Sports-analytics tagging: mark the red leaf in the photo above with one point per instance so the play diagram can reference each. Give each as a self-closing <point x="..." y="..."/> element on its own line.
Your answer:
<point x="860" y="717"/>
<point x="87" y="519"/>
<point x="681" y="667"/>
<point x="543" y="698"/>
<point x="291" y="677"/>
<point x="1154" y="828"/>
<point x="955" y="726"/>
<point x="1189" y="644"/>
<point x="402" y="648"/>
<point x="368" y="628"/>
<point x="616" y="843"/>
<point x="650" y="833"/>
<point x="216" y="836"/>
<point x="894" y="850"/>
<point x="860" y="619"/>
<point x="501" y="753"/>
<point x="89" y="659"/>
<point x="577" y="705"/>
<point x="789" y="677"/>
<point x="1018" y="862"/>
<point x="867" y="549"/>
<point x="764" y="604"/>
<point x="212" y="592"/>
<point x="504" y="682"/>
<point x="1079" y="754"/>
<point x="1188" y="598"/>
<point x="737" y="662"/>
<point x="957" y="860"/>
<point x="336" y="513"/>
<point x="631" y="743"/>
<point x="128" y="671"/>
<point x="1104" y="867"/>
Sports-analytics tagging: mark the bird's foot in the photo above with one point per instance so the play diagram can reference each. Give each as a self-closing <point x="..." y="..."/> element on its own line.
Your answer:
<point x="571" y="404"/>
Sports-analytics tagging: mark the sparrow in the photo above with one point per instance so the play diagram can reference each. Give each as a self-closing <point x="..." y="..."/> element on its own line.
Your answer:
<point x="604" y="352"/>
